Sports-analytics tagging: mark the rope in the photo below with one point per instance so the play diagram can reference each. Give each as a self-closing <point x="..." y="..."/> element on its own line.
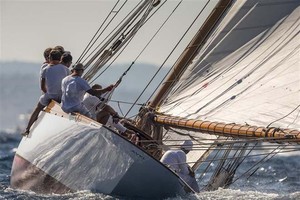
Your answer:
<point x="115" y="45"/>
<point x="283" y="116"/>
<point x="90" y="44"/>
<point x="155" y="34"/>
<point x="176" y="47"/>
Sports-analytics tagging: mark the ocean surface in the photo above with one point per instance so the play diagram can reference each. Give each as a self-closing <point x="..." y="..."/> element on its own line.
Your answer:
<point x="278" y="179"/>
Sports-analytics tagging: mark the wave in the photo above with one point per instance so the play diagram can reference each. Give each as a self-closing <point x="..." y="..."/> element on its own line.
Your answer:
<point x="9" y="137"/>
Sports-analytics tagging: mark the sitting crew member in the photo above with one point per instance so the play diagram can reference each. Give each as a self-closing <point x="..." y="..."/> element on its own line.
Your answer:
<point x="176" y="161"/>
<point x="73" y="89"/>
<point x="105" y="114"/>
<point x="51" y="78"/>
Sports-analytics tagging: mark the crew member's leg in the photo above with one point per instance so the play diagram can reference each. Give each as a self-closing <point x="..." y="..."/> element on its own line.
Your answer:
<point x="33" y="118"/>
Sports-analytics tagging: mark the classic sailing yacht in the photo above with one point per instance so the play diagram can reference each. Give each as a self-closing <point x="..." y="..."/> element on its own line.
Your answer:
<point x="234" y="91"/>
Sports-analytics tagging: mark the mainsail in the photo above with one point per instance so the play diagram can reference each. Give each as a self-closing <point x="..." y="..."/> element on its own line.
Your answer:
<point x="246" y="73"/>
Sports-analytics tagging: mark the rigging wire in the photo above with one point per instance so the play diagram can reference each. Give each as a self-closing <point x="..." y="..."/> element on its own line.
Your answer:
<point x="119" y="24"/>
<point x="146" y="7"/>
<point x="115" y="33"/>
<point x="124" y="47"/>
<point x="259" y="163"/>
<point x="283" y="116"/>
<point x="176" y="47"/>
<point x="255" y="155"/>
<point x="163" y="24"/>
<point x="91" y="43"/>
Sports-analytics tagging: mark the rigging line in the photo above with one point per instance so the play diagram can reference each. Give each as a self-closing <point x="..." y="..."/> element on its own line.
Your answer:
<point x="85" y="60"/>
<point x="244" y="77"/>
<point x="208" y="162"/>
<point x="163" y="24"/>
<point x="249" y="151"/>
<point x="241" y="92"/>
<point x="283" y="116"/>
<point x="113" y="29"/>
<point x="231" y="158"/>
<point x="225" y="70"/>
<point x="125" y="102"/>
<point x="90" y="44"/>
<point x="183" y="134"/>
<point x="176" y="47"/>
<point x="120" y="109"/>
<point x="126" y="45"/>
<point x="230" y="67"/>
<point x="155" y="34"/>
<point x="294" y="119"/>
<point x="259" y="163"/>
<point x="101" y="62"/>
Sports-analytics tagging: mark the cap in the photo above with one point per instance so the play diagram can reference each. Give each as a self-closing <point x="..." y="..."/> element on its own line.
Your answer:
<point x="78" y="66"/>
<point x="187" y="145"/>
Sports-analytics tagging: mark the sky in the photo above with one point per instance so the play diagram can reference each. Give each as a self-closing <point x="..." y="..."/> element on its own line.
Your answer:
<point x="30" y="26"/>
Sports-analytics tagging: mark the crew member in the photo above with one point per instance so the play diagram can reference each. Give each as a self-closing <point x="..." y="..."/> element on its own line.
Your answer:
<point x="176" y="161"/>
<point x="51" y="78"/>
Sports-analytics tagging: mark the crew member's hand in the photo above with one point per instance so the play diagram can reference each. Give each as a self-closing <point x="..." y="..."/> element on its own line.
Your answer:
<point x="109" y="88"/>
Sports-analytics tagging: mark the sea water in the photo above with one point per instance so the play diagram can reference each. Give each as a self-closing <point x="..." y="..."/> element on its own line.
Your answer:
<point x="277" y="179"/>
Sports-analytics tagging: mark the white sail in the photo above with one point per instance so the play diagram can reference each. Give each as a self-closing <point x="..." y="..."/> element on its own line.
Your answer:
<point x="248" y="71"/>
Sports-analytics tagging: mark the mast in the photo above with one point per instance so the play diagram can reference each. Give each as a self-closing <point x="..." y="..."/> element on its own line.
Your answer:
<point x="190" y="52"/>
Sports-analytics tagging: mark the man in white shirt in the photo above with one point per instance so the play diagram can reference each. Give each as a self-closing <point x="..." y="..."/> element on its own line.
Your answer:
<point x="74" y="87"/>
<point x="176" y="161"/>
<point x="51" y="77"/>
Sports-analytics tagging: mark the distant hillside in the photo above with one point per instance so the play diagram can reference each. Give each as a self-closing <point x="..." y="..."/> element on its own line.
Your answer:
<point x="20" y="88"/>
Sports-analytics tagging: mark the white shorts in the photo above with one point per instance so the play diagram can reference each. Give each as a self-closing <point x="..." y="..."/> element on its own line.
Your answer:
<point x="46" y="98"/>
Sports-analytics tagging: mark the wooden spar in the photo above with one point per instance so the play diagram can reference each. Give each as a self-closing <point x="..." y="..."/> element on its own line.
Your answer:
<point x="190" y="52"/>
<point x="231" y="130"/>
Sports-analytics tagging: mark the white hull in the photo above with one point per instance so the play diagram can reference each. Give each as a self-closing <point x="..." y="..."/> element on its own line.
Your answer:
<point x="73" y="156"/>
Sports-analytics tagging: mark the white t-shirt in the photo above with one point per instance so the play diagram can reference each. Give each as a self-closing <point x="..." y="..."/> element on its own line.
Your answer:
<point x="73" y="89"/>
<point x="176" y="160"/>
<point x="91" y="102"/>
<point x="53" y="75"/>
